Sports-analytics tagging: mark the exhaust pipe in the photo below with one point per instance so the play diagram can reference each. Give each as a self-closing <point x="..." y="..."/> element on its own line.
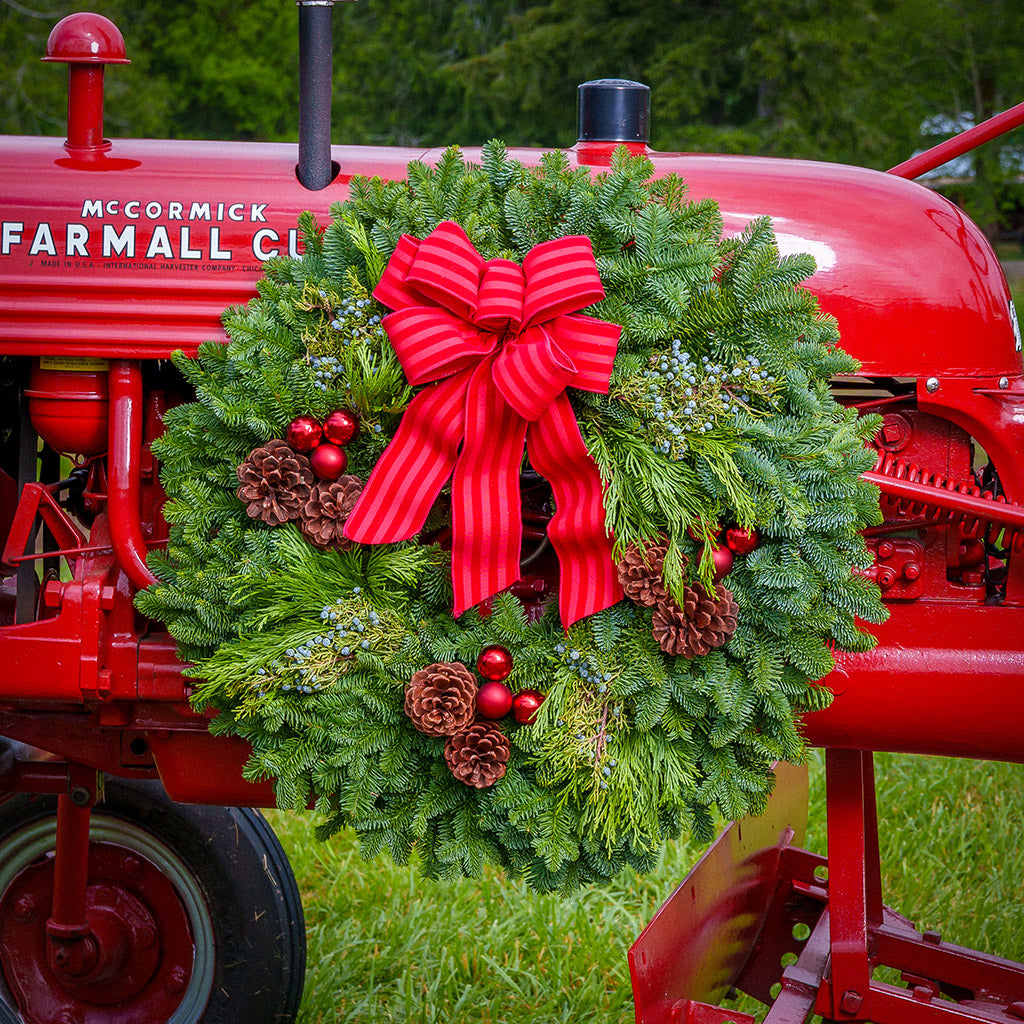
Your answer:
<point x="315" y="170"/>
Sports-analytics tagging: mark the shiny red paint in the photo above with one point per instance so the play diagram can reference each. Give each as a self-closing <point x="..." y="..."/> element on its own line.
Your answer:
<point x="905" y="272"/>
<point x="128" y="251"/>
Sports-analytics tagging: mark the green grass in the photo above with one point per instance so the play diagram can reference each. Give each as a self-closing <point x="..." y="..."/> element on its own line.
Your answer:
<point x="386" y="945"/>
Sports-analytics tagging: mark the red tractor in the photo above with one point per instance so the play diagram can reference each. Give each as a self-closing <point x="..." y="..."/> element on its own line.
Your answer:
<point x="127" y="832"/>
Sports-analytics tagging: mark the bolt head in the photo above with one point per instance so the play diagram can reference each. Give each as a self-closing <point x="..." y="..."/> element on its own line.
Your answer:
<point x="931" y="385"/>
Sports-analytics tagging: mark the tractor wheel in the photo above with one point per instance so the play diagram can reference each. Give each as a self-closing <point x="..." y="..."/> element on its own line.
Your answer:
<point x="194" y="909"/>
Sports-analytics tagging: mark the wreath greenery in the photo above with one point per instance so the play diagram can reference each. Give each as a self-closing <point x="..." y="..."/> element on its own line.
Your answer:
<point x="719" y="413"/>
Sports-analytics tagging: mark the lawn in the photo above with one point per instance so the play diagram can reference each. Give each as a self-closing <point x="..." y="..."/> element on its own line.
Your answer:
<point x="386" y="945"/>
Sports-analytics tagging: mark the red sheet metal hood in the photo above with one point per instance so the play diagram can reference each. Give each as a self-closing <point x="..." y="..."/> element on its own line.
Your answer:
<point x="137" y="252"/>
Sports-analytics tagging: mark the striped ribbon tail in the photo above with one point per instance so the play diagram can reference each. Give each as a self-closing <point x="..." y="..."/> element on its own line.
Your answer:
<point x="410" y="474"/>
<point x="588" y="579"/>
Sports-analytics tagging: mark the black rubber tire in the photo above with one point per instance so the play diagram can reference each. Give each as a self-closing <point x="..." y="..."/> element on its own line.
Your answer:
<point x="238" y="879"/>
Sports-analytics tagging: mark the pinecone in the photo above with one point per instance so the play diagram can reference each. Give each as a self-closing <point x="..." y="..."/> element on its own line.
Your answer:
<point x="705" y="621"/>
<point x="441" y="698"/>
<point x="478" y="755"/>
<point x="640" y="573"/>
<point x="274" y="483"/>
<point x="324" y="513"/>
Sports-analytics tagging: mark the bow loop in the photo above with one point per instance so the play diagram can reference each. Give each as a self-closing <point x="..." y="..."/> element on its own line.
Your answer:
<point x="561" y="277"/>
<point x="499" y="304"/>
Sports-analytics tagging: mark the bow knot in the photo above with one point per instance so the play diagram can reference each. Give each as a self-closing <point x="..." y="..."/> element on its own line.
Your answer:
<point x="497" y="343"/>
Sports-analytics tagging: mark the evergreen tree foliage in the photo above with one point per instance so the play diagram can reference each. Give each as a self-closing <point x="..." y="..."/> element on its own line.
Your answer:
<point x="719" y="413"/>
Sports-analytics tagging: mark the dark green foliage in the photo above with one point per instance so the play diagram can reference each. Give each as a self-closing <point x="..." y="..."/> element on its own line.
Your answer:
<point x="719" y="412"/>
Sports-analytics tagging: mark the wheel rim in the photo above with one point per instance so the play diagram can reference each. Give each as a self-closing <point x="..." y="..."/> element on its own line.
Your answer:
<point x="32" y="843"/>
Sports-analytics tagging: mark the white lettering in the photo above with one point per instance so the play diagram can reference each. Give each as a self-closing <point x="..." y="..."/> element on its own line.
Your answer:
<point x="220" y="211"/>
<point x="111" y="207"/>
<point x="261" y="236"/>
<point x="199" y="211"/>
<point x="92" y="208"/>
<point x="115" y="244"/>
<point x="174" y="211"/>
<point x="160" y="244"/>
<point x="256" y="212"/>
<point x="11" y="235"/>
<point x="43" y="241"/>
<point x="131" y="209"/>
<point x="217" y="253"/>
<point x="77" y="236"/>
<point x="235" y="211"/>
<point x="154" y="210"/>
<point x="183" y="249"/>
<point x="293" y="244"/>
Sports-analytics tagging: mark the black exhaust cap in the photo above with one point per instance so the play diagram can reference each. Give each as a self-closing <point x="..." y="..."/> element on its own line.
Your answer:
<point x="613" y="110"/>
<point x="316" y="53"/>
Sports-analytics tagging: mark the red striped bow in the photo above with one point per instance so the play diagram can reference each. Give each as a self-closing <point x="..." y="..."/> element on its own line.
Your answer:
<point x="495" y="345"/>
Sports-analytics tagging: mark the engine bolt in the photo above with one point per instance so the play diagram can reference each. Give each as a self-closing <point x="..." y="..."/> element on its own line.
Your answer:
<point x="176" y="981"/>
<point x="932" y="385"/>
<point x="886" y="577"/>
<point x="886" y="549"/>
<point x="25" y="908"/>
<point x="131" y="866"/>
<point x="911" y="571"/>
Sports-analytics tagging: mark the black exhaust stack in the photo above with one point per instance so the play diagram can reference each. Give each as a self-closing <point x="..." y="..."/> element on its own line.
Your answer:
<point x="613" y="110"/>
<point x="316" y="51"/>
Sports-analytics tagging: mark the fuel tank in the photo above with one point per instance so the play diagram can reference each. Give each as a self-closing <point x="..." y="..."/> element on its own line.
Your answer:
<point x="135" y="252"/>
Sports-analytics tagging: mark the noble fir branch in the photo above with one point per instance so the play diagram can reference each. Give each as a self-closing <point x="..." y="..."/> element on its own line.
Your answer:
<point x="719" y="413"/>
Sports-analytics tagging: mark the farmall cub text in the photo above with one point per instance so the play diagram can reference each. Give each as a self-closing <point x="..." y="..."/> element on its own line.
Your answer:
<point x="137" y="883"/>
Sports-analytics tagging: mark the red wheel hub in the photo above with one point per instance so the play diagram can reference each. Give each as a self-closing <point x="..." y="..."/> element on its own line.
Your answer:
<point x="134" y="962"/>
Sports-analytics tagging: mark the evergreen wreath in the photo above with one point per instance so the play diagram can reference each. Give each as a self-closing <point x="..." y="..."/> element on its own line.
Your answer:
<point x="732" y="492"/>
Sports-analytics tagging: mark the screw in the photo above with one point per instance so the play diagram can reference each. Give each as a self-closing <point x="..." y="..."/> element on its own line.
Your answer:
<point x="932" y="385"/>
<point x="1004" y="383"/>
<point x="79" y="796"/>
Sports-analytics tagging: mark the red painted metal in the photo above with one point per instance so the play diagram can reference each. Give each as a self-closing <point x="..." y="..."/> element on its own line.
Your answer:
<point x="86" y="42"/>
<point x="723" y="902"/>
<point x="126" y="417"/>
<point x="128" y="251"/>
<point x="826" y="934"/>
<point x="960" y="144"/>
<point x="135" y="955"/>
<point x="175" y="258"/>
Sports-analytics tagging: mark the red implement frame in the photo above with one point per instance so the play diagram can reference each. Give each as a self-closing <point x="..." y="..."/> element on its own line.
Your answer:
<point x="820" y="931"/>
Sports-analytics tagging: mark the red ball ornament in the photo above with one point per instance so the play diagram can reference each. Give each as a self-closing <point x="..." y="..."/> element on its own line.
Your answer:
<point x="722" y="559"/>
<point x="328" y="461"/>
<point x="740" y="541"/>
<point x="304" y="433"/>
<point x="494" y="700"/>
<point x="525" y="705"/>
<point x="341" y="427"/>
<point x="494" y="663"/>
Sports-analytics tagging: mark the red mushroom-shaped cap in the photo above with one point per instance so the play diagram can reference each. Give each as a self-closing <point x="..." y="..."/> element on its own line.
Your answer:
<point x="86" y="39"/>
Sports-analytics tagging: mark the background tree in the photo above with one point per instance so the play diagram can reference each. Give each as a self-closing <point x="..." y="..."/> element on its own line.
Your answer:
<point x="824" y="79"/>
